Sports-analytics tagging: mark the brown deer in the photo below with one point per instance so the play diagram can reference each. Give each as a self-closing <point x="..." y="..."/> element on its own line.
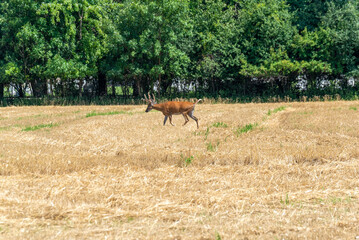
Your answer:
<point x="172" y="108"/>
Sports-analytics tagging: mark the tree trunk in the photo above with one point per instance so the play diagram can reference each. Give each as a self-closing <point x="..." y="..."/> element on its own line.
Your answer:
<point x="20" y="90"/>
<point x="102" y="84"/>
<point x="136" y="87"/>
<point x="280" y="84"/>
<point x="159" y="85"/>
<point x="113" y="88"/>
<point x="1" y="90"/>
<point x="213" y="86"/>
<point x="159" y="64"/>
<point x="38" y="88"/>
<point x="165" y="85"/>
<point x="80" y="86"/>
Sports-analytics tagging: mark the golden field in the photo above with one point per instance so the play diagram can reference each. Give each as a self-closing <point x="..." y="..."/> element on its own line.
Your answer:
<point x="251" y="171"/>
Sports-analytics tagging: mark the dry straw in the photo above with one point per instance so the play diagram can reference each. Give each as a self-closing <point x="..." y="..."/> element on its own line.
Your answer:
<point x="292" y="175"/>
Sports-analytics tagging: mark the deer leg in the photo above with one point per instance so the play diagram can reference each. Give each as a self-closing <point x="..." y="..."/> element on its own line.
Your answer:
<point x="190" y="114"/>
<point x="170" y="116"/>
<point x="185" y="118"/>
<point x="164" y="122"/>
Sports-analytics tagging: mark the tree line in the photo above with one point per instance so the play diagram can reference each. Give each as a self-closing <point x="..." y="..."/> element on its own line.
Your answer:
<point x="211" y="48"/>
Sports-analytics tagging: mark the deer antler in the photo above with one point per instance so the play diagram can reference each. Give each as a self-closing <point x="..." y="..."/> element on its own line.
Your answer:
<point x="149" y="97"/>
<point x="154" y="99"/>
<point x="145" y="98"/>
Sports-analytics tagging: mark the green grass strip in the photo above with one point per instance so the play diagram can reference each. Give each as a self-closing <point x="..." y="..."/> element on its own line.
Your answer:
<point x="246" y="128"/>
<point x="37" y="127"/>
<point x="92" y="114"/>
<point x="220" y="125"/>
<point x="276" y="110"/>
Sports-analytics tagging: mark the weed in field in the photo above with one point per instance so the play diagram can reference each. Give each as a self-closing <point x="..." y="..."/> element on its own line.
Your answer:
<point x="286" y="201"/>
<point x="212" y="147"/>
<point x="319" y="200"/>
<point x="218" y="237"/>
<point x="348" y="199"/>
<point x="334" y="200"/>
<point x="220" y="125"/>
<point x="40" y="126"/>
<point x="187" y="160"/>
<point x="206" y="133"/>
<point x="246" y="128"/>
<point x="197" y="133"/>
<point x="353" y="108"/>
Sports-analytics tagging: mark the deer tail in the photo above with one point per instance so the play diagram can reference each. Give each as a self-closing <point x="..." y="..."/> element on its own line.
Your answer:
<point x="198" y="101"/>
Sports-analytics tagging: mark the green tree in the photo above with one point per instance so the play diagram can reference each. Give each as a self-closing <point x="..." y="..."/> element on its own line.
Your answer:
<point x="267" y="24"/>
<point x="308" y="13"/>
<point x="312" y="50"/>
<point x="75" y="41"/>
<point x="2" y="54"/>
<point x="341" y="30"/>
<point x="267" y="37"/>
<point x="151" y="43"/>
<point x="216" y="55"/>
<point x="24" y="46"/>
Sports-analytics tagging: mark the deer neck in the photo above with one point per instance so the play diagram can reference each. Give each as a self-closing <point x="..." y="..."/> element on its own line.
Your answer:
<point x="158" y="107"/>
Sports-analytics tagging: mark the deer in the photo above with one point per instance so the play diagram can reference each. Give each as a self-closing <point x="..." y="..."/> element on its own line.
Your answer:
<point x="172" y="108"/>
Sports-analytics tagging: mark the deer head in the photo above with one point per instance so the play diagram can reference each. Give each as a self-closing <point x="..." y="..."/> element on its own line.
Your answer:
<point x="150" y="101"/>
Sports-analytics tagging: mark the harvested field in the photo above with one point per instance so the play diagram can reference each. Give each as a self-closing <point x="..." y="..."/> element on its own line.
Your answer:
<point x="251" y="171"/>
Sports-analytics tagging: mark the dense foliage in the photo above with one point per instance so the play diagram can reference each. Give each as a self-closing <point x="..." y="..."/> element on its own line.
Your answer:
<point x="196" y="48"/>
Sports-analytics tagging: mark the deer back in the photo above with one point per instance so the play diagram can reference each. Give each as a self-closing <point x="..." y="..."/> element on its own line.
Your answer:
<point x="173" y="107"/>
